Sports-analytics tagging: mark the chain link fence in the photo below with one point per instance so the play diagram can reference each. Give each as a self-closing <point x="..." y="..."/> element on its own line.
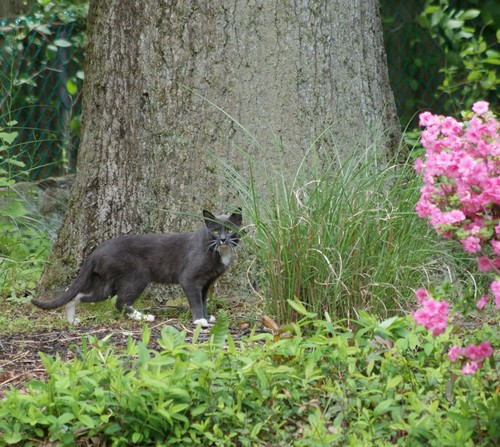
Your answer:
<point x="413" y="59"/>
<point x="41" y="73"/>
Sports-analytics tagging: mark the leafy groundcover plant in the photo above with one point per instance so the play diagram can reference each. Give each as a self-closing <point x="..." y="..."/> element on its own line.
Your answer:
<point x="310" y="384"/>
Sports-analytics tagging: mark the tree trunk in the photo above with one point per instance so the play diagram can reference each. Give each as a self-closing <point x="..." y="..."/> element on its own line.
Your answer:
<point x="13" y="8"/>
<point x="167" y="84"/>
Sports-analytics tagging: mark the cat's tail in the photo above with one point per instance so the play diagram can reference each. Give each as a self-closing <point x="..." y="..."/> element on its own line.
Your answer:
<point x="76" y="287"/>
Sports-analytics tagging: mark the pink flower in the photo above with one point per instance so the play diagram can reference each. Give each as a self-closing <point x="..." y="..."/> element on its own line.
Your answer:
<point x="478" y="353"/>
<point x="480" y="107"/>
<point x="433" y="316"/>
<point x="471" y="244"/>
<point x="451" y="127"/>
<point x="482" y="302"/>
<point x="419" y="165"/>
<point x="496" y="246"/>
<point x="452" y="217"/>
<point x="454" y="353"/>
<point x="471" y="367"/>
<point x="495" y="290"/>
<point x="426" y="119"/>
<point x="421" y="295"/>
<point x="484" y="264"/>
<point x="474" y="354"/>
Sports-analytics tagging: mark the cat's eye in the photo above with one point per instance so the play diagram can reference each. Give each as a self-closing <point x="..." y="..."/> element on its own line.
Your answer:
<point x="216" y="231"/>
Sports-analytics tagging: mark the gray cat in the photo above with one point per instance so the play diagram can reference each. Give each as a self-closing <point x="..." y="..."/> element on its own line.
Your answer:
<point x="125" y="265"/>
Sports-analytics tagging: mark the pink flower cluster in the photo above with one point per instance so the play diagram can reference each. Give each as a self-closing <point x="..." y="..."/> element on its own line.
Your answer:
<point x="433" y="315"/>
<point x="461" y="199"/>
<point x="475" y="356"/>
<point x="461" y="194"/>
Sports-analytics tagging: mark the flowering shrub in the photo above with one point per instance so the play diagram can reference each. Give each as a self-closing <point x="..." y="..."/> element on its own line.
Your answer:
<point x="461" y="199"/>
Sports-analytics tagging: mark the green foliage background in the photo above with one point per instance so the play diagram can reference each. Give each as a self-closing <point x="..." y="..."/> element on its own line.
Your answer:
<point x="442" y="55"/>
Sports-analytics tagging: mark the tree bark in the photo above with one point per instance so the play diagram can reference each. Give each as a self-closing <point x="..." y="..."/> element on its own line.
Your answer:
<point x="13" y="8"/>
<point x="169" y="83"/>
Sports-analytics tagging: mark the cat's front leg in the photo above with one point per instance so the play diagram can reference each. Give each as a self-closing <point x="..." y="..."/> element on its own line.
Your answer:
<point x="204" y="298"/>
<point x="195" y="297"/>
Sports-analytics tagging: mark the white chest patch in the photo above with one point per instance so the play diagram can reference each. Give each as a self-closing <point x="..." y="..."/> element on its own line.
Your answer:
<point x="226" y="254"/>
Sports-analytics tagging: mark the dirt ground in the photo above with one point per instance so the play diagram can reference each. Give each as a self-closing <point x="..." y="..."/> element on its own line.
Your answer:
<point x="19" y="349"/>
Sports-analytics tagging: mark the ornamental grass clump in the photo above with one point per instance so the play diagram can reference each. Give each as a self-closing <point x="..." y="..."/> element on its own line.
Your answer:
<point x="341" y="236"/>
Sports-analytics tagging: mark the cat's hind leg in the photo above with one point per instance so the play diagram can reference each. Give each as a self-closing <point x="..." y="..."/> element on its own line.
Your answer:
<point x="99" y="290"/>
<point x="127" y="293"/>
<point x="134" y="314"/>
<point x="70" y="308"/>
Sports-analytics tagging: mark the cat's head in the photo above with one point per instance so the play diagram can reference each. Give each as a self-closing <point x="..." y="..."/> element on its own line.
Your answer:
<point x="223" y="230"/>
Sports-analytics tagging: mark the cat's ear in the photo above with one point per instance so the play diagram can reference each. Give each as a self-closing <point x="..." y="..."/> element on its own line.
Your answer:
<point x="236" y="217"/>
<point x="209" y="218"/>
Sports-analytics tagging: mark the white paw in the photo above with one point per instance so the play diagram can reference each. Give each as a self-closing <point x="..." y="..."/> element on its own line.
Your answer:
<point x="75" y="321"/>
<point x="136" y="315"/>
<point x="202" y="321"/>
<point x="212" y="319"/>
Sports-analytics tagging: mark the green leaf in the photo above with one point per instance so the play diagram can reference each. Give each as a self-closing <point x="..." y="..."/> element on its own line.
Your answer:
<point x="413" y="340"/>
<point x="143" y="353"/>
<point x="383" y="407"/>
<point x="454" y="24"/>
<point x="471" y="14"/>
<point x="219" y="331"/>
<point x="63" y="43"/>
<point x="65" y="418"/>
<point x="492" y="60"/>
<point x="43" y="29"/>
<point x="71" y="87"/>
<point x="13" y="209"/>
<point x="170" y="338"/>
<point x="12" y="437"/>
<point x="386" y="323"/>
<point x="436" y="17"/>
<point x="86" y="420"/>
<point x="4" y="182"/>
<point x="299" y="307"/>
<point x="146" y="334"/>
<point x="393" y="382"/>
<point x="14" y="162"/>
<point x="8" y="137"/>
<point x="256" y="430"/>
